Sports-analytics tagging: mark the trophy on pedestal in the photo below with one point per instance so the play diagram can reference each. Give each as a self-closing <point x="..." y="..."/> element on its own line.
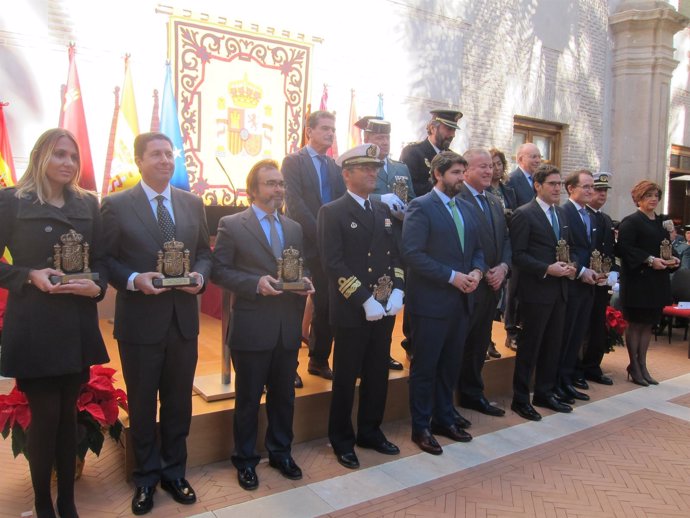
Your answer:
<point x="173" y="262"/>
<point x="563" y="252"/>
<point x="72" y="258"/>
<point x="290" y="272"/>
<point x="665" y="250"/>
<point x="400" y="188"/>
<point x="383" y="290"/>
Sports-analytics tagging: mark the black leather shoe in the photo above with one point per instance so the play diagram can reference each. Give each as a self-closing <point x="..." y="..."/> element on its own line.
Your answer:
<point x="287" y="467"/>
<point x="525" y="410"/>
<point x="427" y="442"/>
<point x="552" y="403"/>
<point x="562" y="396"/>
<point x="385" y="447"/>
<point x="320" y="368"/>
<point x="349" y="460"/>
<point x="247" y="478"/>
<point x="581" y="384"/>
<point x="482" y="405"/>
<point x="180" y="490"/>
<point x="511" y="343"/>
<point x="600" y="378"/>
<point x="394" y="364"/>
<point x="574" y="393"/>
<point x="452" y="432"/>
<point x="298" y="381"/>
<point x="492" y="351"/>
<point x="460" y="421"/>
<point x="142" y="502"/>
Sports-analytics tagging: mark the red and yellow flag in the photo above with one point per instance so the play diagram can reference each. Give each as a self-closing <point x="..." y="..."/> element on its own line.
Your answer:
<point x="72" y="118"/>
<point x="355" y="134"/>
<point x="7" y="175"/>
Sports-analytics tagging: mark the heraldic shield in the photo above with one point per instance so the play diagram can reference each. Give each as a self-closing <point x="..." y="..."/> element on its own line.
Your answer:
<point x="290" y="272"/>
<point x="173" y="262"/>
<point x="71" y="256"/>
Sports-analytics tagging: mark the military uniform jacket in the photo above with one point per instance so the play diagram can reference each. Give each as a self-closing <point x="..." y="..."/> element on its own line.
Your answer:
<point x="355" y="253"/>
<point x="418" y="157"/>
<point x="48" y="335"/>
<point x="385" y="179"/>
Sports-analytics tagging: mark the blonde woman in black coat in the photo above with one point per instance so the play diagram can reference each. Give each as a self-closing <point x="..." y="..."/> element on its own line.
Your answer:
<point x="51" y="335"/>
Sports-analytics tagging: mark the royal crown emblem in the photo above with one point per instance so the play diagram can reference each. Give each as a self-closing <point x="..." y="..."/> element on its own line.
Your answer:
<point x="290" y="271"/>
<point x="71" y="256"/>
<point x="383" y="289"/>
<point x="173" y="260"/>
<point x="244" y="93"/>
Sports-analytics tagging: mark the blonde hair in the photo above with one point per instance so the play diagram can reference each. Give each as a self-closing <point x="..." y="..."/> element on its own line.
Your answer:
<point x="35" y="179"/>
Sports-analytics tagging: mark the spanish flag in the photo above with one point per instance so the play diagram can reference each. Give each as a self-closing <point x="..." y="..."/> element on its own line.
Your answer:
<point x="7" y="176"/>
<point x="124" y="172"/>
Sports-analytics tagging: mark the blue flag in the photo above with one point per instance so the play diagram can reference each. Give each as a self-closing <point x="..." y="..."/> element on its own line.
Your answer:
<point x="170" y="126"/>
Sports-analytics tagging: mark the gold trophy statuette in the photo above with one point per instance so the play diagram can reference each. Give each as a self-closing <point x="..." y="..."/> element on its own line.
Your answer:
<point x="290" y="272"/>
<point x="665" y="251"/>
<point x="72" y="258"/>
<point x="173" y="262"/>
<point x="600" y="265"/>
<point x="383" y="289"/>
<point x="400" y="188"/>
<point x="563" y="252"/>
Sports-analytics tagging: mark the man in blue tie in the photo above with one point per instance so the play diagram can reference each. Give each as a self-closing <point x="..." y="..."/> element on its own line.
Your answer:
<point x="583" y="237"/>
<point x="535" y="231"/>
<point x="442" y="251"/>
<point x="313" y="179"/>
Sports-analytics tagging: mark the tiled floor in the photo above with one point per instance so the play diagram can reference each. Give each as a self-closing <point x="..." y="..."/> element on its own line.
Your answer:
<point x="626" y="453"/>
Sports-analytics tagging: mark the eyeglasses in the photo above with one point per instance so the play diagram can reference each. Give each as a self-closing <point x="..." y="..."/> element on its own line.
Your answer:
<point x="586" y="187"/>
<point x="553" y="184"/>
<point x="274" y="183"/>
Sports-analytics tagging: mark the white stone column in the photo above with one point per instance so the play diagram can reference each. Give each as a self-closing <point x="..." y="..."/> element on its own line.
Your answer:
<point x="642" y="66"/>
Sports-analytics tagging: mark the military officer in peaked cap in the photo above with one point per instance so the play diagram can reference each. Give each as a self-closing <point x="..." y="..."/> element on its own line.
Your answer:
<point x="418" y="156"/>
<point x="365" y="281"/>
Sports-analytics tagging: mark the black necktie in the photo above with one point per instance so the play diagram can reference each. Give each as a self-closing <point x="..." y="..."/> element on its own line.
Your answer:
<point x="485" y="207"/>
<point x="369" y="212"/>
<point x="165" y="222"/>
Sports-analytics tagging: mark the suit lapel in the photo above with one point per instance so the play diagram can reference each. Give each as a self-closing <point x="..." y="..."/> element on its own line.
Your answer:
<point x="358" y="213"/>
<point x="543" y="220"/>
<point x="445" y="217"/>
<point x="142" y="208"/>
<point x="251" y="223"/>
<point x="312" y="175"/>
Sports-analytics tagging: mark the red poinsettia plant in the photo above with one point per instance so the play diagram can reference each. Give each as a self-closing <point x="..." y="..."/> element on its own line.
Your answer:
<point x="98" y="407"/>
<point x="615" y="327"/>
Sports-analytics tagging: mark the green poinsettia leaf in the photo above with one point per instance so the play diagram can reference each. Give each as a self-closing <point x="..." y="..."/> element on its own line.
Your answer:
<point x="18" y="441"/>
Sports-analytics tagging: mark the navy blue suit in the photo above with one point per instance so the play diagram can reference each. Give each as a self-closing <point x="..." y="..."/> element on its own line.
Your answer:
<point x="439" y="312"/>
<point x="524" y="192"/>
<point x="580" y="294"/>
<point x="542" y="300"/>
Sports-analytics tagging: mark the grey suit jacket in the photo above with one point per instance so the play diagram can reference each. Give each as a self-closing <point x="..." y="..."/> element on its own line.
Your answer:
<point x="303" y="194"/>
<point x="386" y="179"/>
<point x="523" y="190"/>
<point x="242" y="255"/>
<point x="132" y="241"/>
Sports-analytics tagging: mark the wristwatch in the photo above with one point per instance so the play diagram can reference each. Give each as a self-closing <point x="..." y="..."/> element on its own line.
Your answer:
<point x="650" y="261"/>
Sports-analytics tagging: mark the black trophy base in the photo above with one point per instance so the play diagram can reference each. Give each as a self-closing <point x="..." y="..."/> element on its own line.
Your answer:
<point x="174" y="282"/>
<point x="64" y="279"/>
<point x="291" y="286"/>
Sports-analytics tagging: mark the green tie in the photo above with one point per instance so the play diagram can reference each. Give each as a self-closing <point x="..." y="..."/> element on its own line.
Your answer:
<point x="458" y="223"/>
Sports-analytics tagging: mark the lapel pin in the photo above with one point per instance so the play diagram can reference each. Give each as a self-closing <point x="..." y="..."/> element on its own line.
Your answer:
<point x="353" y="225"/>
<point x="49" y="228"/>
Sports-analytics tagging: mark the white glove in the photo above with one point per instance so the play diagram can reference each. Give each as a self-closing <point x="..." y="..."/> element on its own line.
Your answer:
<point x="373" y="309"/>
<point x="612" y="279"/>
<point x="394" y="203"/>
<point x="395" y="302"/>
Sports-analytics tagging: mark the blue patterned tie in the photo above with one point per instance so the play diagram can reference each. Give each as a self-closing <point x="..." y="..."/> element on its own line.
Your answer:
<point x="588" y="223"/>
<point x="554" y="222"/>
<point x="325" y="181"/>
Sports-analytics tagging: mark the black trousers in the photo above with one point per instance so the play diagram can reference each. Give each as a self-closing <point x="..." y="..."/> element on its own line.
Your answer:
<point x="162" y="371"/>
<point x="595" y="346"/>
<point x="274" y="369"/>
<point x="321" y="334"/>
<point x="578" y="311"/>
<point x="539" y="350"/>
<point x="359" y="351"/>
<point x="470" y="383"/>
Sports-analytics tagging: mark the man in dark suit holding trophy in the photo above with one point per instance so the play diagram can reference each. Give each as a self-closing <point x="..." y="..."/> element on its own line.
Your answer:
<point x="153" y="231"/>
<point x="259" y="251"/>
